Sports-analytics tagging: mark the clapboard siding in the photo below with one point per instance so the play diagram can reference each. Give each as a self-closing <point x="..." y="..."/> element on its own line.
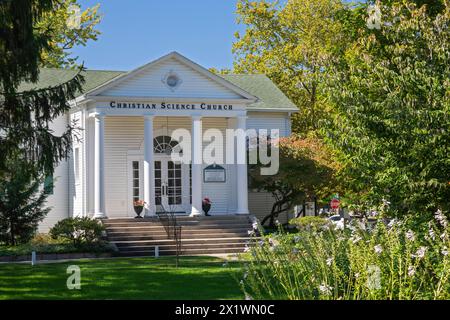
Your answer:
<point x="218" y="193"/>
<point x="268" y="121"/>
<point x="260" y="204"/>
<point x="58" y="201"/>
<point x="148" y="83"/>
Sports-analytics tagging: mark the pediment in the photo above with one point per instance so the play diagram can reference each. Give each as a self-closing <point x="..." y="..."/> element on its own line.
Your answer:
<point x="172" y="76"/>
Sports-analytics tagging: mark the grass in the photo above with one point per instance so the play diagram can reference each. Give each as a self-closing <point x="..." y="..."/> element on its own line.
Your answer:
<point x="126" y="278"/>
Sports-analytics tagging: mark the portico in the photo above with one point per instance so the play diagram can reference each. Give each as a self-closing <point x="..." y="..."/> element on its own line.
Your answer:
<point x="154" y="164"/>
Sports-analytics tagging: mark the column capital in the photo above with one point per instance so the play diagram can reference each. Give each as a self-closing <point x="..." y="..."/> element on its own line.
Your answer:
<point x="97" y="114"/>
<point x="196" y="117"/>
<point x="149" y="116"/>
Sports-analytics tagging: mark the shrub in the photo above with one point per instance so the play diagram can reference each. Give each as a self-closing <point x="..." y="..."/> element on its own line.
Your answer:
<point x="79" y="231"/>
<point x="387" y="262"/>
<point x="309" y="223"/>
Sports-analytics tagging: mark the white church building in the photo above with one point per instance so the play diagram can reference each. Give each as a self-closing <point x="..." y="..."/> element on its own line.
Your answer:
<point x="122" y="152"/>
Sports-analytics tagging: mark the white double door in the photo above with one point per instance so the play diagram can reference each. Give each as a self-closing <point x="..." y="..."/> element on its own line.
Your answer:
<point x="172" y="184"/>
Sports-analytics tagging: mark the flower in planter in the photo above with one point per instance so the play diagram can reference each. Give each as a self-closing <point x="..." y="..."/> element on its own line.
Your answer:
<point x="139" y="203"/>
<point x="206" y="205"/>
<point x="138" y="207"/>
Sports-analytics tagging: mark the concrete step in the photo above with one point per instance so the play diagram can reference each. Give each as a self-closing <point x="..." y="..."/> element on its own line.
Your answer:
<point x="199" y="235"/>
<point x="191" y="224"/>
<point x="162" y="236"/>
<point x="197" y="231"/>
<point x="144" y="243"/>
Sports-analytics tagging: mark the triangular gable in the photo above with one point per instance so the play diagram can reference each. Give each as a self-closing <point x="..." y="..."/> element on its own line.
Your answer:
<point x="151" y="80"/>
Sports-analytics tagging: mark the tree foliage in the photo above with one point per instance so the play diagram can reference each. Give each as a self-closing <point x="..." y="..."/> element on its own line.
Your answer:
<point x="389" y="97"/>
<point x="22" y="202"/>
<point x="306" y="170"/>
<point x="65" y="35"/>
<point x="292" y="43"/>
<point x="26" y="116"/>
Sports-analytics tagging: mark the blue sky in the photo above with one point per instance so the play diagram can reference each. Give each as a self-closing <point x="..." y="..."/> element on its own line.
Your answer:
<point x="135" y="32"/>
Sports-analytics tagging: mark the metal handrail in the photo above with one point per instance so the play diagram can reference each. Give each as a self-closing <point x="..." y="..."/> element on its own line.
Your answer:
<point x="173" y="229"/>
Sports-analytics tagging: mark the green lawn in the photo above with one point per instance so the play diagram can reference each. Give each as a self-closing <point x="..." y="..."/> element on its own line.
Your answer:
<point x="137" y="278"/>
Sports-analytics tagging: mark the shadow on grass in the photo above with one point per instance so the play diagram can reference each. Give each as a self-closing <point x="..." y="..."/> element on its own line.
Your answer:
<point x="134" y="278"/>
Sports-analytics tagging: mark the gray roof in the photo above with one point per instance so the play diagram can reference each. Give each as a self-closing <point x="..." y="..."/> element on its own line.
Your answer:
<point x="269" y="95"/>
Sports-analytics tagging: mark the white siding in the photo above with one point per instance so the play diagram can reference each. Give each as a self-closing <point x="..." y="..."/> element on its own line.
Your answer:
<point x="58" y="201"/>
<point x="218" y="193"/>
<point x="148" y="83"/>
<point x="268" y="121"/>
<point x="260" y="204"/>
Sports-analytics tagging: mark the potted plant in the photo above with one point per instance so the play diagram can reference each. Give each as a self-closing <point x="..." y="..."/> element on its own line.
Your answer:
<point x="138" y="207"/>
<point x="206" y="206"/>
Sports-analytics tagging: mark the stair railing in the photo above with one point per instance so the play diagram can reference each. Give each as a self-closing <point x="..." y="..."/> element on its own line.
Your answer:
<point x="169" y="221"/>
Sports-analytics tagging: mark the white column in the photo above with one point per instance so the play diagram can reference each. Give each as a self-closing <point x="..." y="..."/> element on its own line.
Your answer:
<point x="197" y="158"/>
<point x="149" y="181"/>
<point x="241" y="157"/>
<point x="99" y="165"/>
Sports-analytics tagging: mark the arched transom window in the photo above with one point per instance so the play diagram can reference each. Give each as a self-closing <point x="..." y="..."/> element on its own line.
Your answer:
<point x="166" y="145"/>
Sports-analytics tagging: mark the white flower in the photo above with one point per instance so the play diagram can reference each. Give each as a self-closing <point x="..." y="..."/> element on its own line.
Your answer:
<point x="325" y="289"/>
<point x="248" y="297"/>
<point x="386" y="203"/>
<point x="392" y="223"/>
<point x="255" y="225"/>
<point x="444" y="251"/>
<point x="277" y="222"/>
<point x="432" y="234"/>
<point x="357" y="275"/>
<point x="294" y="250"/>
<point x="378" y="249"/>
<point x="420" y="253"/>
<point x="340" y="225"/>
<point x="245" y="275"/>
<point x="441" y="218"/>
<point x="329" y="261"/>
<point x="356" y="239"/>
<point x="251" y="232"/>
<point x="411" y="271"/>
<point x="246" y="249"/>
<point x="410" y="235"/>
<point x="296" y="239"/>
<point x="274" y="243"/>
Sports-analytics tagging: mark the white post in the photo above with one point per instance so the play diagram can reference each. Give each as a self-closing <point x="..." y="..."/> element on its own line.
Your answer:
<point x="241" y="157"/>
<point x="33" y="258"/>
<point x="149" y="190"/>
<point x="99" y="163"/>
<point x="197" y="158"/>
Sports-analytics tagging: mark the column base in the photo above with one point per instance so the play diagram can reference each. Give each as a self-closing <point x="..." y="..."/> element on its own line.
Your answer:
<point x="196" y="213"/>
<point x="100" y="215"/>
<point x="242" y="212"/>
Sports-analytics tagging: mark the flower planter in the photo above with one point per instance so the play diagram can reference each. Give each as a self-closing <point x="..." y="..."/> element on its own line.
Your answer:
<point x="138" y="210"/>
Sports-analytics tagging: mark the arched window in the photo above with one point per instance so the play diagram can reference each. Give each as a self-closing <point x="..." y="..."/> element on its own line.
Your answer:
<point x="165" y="145"/>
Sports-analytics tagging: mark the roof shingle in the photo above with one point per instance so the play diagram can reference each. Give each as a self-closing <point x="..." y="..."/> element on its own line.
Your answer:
<point x="271" y="98"/>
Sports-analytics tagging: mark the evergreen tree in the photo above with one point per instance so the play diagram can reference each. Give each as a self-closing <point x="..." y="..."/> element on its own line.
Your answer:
<point x="25" y="116"/>
<point x="22" y="201"/>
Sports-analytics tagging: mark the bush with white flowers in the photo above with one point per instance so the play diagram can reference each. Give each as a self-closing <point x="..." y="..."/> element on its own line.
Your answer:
<point x="388" y="261"/>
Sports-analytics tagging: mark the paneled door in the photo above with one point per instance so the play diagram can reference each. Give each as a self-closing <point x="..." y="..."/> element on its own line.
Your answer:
<point x="169" y="185"/>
